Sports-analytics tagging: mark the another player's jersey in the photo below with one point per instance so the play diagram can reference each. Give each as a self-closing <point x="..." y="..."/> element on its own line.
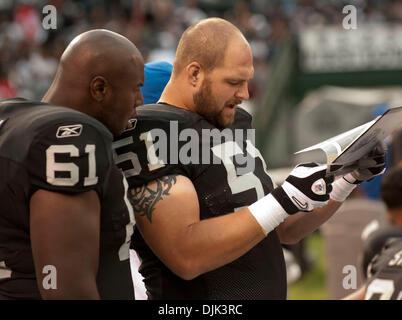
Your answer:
<point x="228" y="173"/>
<point x="385" y="273"/>
<point x="375" y="240"/>
<point x="61" y="150"/>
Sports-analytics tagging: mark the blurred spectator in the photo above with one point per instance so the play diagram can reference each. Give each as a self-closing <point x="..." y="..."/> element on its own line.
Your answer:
<point x="6" y="89"/>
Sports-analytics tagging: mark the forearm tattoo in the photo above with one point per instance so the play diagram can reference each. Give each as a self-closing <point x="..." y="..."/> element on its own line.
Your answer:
<point x="145" y="198"/>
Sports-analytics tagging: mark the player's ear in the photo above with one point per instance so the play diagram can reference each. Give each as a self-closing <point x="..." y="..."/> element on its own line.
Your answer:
<point x="194" y="73"/>
<point x="99" y="88"/>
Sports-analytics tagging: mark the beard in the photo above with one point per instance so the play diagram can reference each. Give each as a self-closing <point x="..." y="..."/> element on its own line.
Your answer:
<point x="206" y="105"/>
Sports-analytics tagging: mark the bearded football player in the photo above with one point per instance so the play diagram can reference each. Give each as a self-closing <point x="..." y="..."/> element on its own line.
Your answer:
<point x="210" y="221"/>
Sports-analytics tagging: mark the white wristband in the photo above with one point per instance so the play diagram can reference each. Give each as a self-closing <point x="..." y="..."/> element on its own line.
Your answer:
<point x="268" y="213"/>
<point x="341" y="189"/>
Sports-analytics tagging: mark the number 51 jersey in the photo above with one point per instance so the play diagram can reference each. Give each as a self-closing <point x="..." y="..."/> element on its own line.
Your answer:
<point x="61" y="150"/>
<point x="228" y="173"/>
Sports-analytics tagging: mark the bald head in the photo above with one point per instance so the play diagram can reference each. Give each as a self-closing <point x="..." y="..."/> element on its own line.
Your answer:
<point x="100" y="73"/>
<point x="97" y="52"/>
<point x="206" y="42"/>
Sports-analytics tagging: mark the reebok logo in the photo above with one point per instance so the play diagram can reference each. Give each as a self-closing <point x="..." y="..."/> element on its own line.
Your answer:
<point x="69" y="131"/>
<point x="133" y="123"/>
<point x="299" y="203"/>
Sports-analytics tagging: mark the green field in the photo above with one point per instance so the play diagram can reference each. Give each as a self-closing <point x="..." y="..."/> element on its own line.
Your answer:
<point x="312" y="285"/>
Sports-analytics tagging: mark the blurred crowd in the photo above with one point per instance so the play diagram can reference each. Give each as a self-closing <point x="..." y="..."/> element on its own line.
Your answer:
<point x="29" y="54"/>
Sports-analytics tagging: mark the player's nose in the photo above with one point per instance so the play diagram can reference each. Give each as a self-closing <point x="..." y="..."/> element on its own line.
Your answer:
<point x="243" y="93"/>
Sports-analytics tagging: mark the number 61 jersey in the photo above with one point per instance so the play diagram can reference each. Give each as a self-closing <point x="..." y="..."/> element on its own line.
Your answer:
<point x="61" y="150"/>
<point x="227" y="172"/>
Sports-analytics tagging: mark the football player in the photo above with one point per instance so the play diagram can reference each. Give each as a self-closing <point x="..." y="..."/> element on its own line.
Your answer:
<point x="384" y="274"/>
<point x="157" y="74"/>
<point x="391" y="189"/>
<point x="65" y="220"/>
<point x="210" y="221"/>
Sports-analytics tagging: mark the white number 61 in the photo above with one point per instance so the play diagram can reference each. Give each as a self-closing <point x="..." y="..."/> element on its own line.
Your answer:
<point x="52" y="166"/>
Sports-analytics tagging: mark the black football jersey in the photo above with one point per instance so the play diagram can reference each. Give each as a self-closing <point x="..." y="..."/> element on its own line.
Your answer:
<point x="385" y="273"/>
<point x="228" y="173"/>
<point x="58" y="149"/>
<point x="376" y="240"/>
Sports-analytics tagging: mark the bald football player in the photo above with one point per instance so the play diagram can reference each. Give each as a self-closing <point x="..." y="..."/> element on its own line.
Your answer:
<point x="65" y="221"/>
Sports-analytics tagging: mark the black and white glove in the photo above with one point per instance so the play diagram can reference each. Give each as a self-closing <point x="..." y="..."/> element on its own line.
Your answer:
<point x="369" y="167"/>
<point x="307" y="187"/>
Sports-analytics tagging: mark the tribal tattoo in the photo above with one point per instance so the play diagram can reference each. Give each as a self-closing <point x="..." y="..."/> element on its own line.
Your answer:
<point x="145" y="198"/>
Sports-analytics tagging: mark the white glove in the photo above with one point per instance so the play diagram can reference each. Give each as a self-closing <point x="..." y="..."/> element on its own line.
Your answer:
<point x="306" y="188"/>
<point x="369" y="167"/>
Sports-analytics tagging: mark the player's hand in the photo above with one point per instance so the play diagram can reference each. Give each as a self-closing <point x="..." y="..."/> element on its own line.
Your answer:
<point x="305" y="189"/>
<point x="369" y="167"/>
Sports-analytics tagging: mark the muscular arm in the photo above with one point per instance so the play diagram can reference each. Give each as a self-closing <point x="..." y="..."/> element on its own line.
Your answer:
<point x="65" y="234"/>
<point x="299" y="225"/>
<point x="167" y="214"/>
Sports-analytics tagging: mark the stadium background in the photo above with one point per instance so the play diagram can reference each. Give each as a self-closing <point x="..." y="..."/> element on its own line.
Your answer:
<point x="313" y="80"/>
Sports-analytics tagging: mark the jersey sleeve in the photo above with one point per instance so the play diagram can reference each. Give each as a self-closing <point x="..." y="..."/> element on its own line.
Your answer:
<point x="385" y="276"/>
<point x="381" y="260"/>
<point x="71" y="157"/>
<point x="150" y="151"/>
